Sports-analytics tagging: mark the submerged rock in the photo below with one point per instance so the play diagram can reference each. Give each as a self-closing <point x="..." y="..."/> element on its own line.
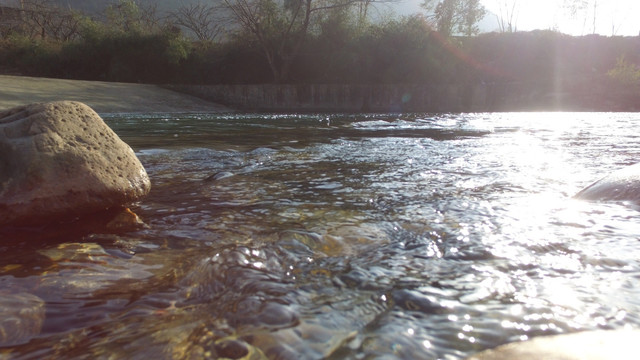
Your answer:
<point x="622" y="185"/>
<point x="59" y="161"/>
<point x="125" y="220"/>
<point x="21" y="318"/>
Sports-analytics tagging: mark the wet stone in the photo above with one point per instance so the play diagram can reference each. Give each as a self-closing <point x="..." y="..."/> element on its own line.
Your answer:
<point x="231" y="349"/>
<point x="414" y="301"/>
<point x="277" y="315"/>
<point x="61" y="161"/>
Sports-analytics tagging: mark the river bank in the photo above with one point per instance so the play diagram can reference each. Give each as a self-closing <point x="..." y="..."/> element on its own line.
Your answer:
<point x="113" y="97"/>
<point x="103" y="97"/>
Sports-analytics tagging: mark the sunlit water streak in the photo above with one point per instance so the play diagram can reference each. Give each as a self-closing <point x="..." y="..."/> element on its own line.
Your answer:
<point x="308" y="236"/>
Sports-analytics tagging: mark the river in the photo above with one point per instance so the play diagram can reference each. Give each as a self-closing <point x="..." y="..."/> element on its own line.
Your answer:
<point x="412" y="236"/>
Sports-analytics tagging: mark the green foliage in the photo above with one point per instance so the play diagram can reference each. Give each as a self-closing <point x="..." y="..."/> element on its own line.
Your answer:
<point x="546" y="58"/>
<point x="177" y="47"/>
<point x="403" y="50"/>
<point x="624" y="72"/>
<point x="125" y="16"/>
<point x="37" y="56"/>
<point x="91" y="30"/>
<point x="130" y="51"/>
<point x="128" y="57"/>
<point x="455" y="16"/>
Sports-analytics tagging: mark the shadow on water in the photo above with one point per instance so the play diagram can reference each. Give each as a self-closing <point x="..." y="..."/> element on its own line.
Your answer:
<point x="58" y="230"/>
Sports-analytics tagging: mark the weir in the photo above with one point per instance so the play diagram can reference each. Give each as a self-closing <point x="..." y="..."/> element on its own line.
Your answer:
<point x="476" y="97"/>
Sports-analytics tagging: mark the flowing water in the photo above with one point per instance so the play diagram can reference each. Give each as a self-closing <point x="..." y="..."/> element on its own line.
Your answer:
<point x="344" y="237"/>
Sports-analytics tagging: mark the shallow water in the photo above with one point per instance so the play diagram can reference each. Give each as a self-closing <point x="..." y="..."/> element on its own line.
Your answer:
<point x="344" y="237"/>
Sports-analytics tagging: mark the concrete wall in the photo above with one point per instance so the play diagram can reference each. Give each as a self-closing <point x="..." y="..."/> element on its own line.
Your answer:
<point x="410" y="98"/>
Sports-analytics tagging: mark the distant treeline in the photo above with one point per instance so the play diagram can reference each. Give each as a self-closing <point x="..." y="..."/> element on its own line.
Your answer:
<point x="128" y="44"/>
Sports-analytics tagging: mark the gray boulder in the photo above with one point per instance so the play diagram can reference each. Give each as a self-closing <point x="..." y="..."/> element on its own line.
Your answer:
<point x="622" y="185"/>
<point x="59" y="161"/>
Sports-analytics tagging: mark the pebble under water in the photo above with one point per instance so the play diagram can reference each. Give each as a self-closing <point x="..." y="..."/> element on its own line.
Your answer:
<point x="420" y="236"/>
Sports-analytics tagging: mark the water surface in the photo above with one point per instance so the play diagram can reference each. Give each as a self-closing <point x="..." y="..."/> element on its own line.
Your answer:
<point x="343" y="237"/>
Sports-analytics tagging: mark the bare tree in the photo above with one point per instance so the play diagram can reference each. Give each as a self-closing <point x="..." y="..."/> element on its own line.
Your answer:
<point x="508" y="11"/>
<point x="206" y="22"/>
<point x="129" y="16"/>
<point x="149" y="15"/>
<point x="362" y="11"/>
<point x="595" y="12"/>
<point x="44" y="19"/>
<point x="588" y="10"/>
<point x="280" y="27"/>
<point x="11" y="20"/>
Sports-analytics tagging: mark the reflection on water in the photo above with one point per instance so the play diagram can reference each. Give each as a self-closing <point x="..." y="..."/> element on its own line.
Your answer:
<point x="349" y="237"/>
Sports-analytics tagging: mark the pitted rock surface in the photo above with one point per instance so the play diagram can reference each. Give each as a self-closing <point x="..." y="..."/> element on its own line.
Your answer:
<point x="59" y="160"/>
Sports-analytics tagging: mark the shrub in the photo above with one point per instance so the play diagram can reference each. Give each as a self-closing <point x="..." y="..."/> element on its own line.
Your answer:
<point x="125" y="56"/>
<point x="33" y="57"/>
<point x="625" y="73"/>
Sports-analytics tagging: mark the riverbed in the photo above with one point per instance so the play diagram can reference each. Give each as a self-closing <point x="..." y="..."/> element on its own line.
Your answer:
<point x="395" y="236"/>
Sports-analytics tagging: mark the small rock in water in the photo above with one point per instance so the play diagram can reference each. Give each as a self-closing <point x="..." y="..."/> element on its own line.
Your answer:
<point x="412" y="300"/>
<point x="231" y="349"/>
<point x="61" y="161"/>
<point x="125" y="220"/>
<point x="219" y="176"/>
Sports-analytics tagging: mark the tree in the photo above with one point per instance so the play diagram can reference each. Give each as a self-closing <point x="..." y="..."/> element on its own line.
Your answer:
<point x="588" y="9"/>
<point x="455" y="16"/>
<point x="44" y="19"/>
<point x="595" y="11"/>
<point x="129" y="17"/>
<point x="508" y="15"/>
<point x="591" y="10"/>
<point x="280" y="27"/>
<point x="362" y="12"/>
<point x="204" y="21"/>
<point x="472" y="12"/>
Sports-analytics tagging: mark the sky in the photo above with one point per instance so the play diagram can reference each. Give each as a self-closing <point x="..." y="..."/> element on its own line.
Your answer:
<point x="612" y="17"/>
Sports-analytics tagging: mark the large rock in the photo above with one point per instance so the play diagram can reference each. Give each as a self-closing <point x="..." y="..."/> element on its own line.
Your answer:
<point x="59" y="161"/>
<point x="622" y="185"/>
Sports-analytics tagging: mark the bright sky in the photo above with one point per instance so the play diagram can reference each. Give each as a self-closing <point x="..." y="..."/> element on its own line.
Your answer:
<point x="612" y="17"/>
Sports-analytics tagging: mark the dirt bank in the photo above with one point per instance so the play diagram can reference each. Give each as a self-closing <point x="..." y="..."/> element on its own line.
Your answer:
<point x="103" y="97"/>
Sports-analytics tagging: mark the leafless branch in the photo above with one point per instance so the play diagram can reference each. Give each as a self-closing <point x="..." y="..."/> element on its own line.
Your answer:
<point x="206" y="22"/>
